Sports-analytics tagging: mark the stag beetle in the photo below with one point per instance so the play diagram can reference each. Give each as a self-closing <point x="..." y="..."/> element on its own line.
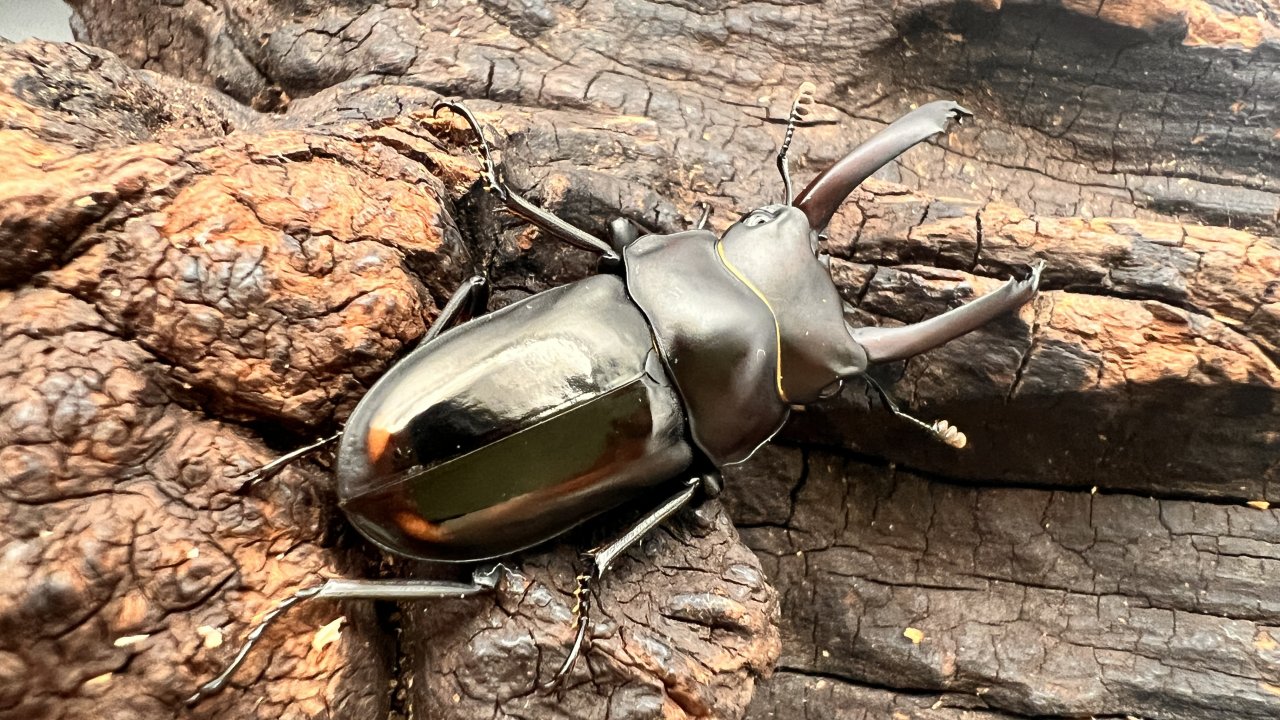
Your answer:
<point x="684" y="357"/>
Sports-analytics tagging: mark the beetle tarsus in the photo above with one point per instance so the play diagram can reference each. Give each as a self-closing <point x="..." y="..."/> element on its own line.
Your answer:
<point x="215" y="686"/>
<point x="600" y="558"/>
<point x="492" y="180"/>
<point x="582" y="619"/>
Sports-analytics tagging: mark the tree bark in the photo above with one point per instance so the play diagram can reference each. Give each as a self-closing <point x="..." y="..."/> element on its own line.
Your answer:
<point x="210" y="262"/>
<point x="192" y="288"/>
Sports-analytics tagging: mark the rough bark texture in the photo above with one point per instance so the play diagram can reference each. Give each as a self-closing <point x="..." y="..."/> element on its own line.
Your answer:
<point x="1091" y="553"/>
<point x="681" y="632"/>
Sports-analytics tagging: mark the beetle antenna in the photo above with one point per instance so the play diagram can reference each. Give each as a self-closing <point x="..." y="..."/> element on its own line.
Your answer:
<point x="799" y="109"/>
<point x="940" y="429"/>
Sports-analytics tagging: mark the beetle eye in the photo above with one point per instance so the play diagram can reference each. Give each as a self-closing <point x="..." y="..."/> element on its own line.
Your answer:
<point x="755" y="219"/>
<point x="831" y="390"/>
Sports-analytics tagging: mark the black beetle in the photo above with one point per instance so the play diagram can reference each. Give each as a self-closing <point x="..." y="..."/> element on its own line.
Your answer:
<point x="684" y="357"/>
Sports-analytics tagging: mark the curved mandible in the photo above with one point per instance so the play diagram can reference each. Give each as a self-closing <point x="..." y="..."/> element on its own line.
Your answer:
<point x="828" y="190"/>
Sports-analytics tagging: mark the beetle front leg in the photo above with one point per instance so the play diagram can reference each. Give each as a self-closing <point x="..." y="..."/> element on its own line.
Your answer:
<point x="884" y="344"/>
<point x="518" y="204"/>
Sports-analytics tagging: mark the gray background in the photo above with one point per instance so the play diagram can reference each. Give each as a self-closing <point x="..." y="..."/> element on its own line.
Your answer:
<point x="21" y="19"/>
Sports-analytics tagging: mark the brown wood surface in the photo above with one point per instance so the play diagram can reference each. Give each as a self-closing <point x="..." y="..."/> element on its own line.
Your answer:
<point x="217" y="232"/>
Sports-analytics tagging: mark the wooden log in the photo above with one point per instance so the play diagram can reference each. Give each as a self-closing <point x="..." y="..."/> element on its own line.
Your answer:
<point x="916" y="594"/>
<point x="1130" y="144"/>
<point x="193" y="294"/>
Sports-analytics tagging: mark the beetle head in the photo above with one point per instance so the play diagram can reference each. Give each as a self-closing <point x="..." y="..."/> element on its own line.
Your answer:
<point x="776" y="252"/>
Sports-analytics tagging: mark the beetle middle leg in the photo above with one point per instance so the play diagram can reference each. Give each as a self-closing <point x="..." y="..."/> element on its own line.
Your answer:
<point x="518" y="204"/>
<point x="600" y="558"/>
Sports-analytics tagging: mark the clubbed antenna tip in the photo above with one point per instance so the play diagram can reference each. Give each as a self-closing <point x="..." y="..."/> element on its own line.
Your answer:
<point x="800" y="109"/>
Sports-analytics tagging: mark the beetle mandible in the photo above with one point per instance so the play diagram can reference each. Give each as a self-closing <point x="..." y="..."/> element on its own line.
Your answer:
<point x="686" y="354"/>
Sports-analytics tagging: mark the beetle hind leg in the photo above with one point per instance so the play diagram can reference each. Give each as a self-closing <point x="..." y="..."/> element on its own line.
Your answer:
<point x="482" y="581"/>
